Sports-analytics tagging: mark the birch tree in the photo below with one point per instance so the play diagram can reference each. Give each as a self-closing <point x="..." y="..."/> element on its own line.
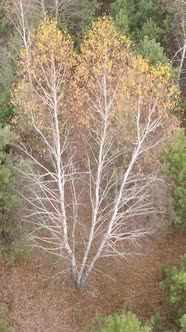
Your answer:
<point x="24" y="16"/>
<point x="57" y="7"/>
<point x="86" y="205"/>
<point x="179" y="32"/>
<point x="18" y="15"/>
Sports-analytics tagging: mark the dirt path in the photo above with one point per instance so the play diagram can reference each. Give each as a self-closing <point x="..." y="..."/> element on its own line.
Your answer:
<point x="35" y="301"/>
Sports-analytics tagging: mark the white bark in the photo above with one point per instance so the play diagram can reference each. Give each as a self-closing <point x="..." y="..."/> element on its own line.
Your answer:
<point x="21" y="15"/>
<point x="111" y="219"/>
<point x="53" y="199"/>
<point x="57" y="7"/>
<point x="179" y="31"/>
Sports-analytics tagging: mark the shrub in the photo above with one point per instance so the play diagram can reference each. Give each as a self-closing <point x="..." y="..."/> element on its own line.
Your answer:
<point x="4" y="326"/>
<point x="3" y="19"/>
<point x="152" y="50"/>
<point x="183" y="323"/>
<point x="6" y="108"/>
<point x="120" y="322"/>
<point x="147" y="23"/>
<point x="174" y="286"/>
<point x="157" y="323"/>
<point x="142" y="18"/>
<point x="174" y="158"/>
<point x="8" y="199"/>
<point x="7" y="77"/>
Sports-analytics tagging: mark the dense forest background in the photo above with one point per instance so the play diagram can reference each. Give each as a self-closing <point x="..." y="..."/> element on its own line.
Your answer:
<point x="93" y="163"/>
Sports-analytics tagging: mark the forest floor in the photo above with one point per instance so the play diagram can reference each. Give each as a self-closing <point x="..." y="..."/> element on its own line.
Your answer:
<point x="34" y="297"/>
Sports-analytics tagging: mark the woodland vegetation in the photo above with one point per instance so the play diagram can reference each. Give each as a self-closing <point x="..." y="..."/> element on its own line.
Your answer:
<point x="92" y="141"/>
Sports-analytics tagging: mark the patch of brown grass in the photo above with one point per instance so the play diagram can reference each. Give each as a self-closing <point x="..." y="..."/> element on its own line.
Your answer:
<point x="37" y="298"/>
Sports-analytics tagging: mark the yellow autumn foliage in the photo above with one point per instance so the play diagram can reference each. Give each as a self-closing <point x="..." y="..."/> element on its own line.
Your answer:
<point x="107" y="62"/>
<point x="75" y="80"/>
<point x="51" y="60"/>
<point x="105" y="54"/>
